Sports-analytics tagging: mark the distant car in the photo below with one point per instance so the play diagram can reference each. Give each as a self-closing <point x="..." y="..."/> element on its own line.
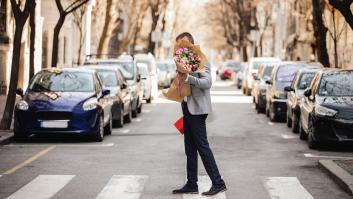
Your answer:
<point x="230" y="68"/>
<point x="259" y="88"/>
<point x="327" y="109"/>
<point x="239" y="76"/>
<point x="164" y="76"/>
<point x="295" y="95"/>
<point x="172" y="69"/>
<point x="276" y="98"/>
<point x="147" y="82"/>
<point x="252" y="70"/>
<point x="120" y="93"/>
<point x="63" y="101"/>
<point x="150" y="60"/>
<point x="131" y="73"/>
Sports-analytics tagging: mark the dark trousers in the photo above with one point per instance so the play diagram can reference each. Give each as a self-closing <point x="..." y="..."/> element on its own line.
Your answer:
<point x="195" y="140"/>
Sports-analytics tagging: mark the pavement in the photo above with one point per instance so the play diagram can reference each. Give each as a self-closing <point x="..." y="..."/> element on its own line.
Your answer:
<point x="5" y="135"/>
<point x="258" y="159"/>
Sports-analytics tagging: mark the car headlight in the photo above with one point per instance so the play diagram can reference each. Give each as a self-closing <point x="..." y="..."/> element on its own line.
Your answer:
<point x="90" y="104"/>
<point x="323" y="111"/>
<point x="22" y="105"/>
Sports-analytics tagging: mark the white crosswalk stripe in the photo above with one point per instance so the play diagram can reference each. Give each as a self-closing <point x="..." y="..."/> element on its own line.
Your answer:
<point x="42" y="187"/>
<point x="123" y="186"/>
<point x="286" y="188"/>
<point x="204" y="184"/>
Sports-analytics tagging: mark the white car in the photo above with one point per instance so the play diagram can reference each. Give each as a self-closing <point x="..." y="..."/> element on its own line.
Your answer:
<point x="146" y="80"/>
<point x="152" y="68"/>
<point x="252" y="71"/>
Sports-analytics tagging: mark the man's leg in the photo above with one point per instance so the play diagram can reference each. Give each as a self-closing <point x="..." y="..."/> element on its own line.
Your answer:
<point x="197" y="125"/>
<point x="190" y="150"/>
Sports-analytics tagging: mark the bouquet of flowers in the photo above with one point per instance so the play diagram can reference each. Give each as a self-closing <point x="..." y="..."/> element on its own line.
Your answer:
<point x="190" y="59"/>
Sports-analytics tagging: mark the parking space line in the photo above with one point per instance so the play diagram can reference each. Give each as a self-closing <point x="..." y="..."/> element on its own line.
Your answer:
<point x="42" y="187"/>
<point x="286" y="188"/>
<point x="309" y="155"/>
<point x="63" y="145"/>
<point x="284" y="136"/>
<point x="123" y="186"/>
<point x="29" y="160"/>
<point x="146" y="111"/>
<point x="270" y="123"/>
<point x="137" y="120"/>
<point x="205" y="184"/>
<point x="123" y="131"/>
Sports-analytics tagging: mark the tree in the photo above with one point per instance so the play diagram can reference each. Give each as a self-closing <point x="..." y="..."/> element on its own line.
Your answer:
<point x="105" y="33"/>
<point x="32" y="40"/>
<point x="320" y="31"/>
<point x="62" y="16"/>
<point x="21" y="17"/>
<point x="344" y="6"/>
<point x="78" y="21"/>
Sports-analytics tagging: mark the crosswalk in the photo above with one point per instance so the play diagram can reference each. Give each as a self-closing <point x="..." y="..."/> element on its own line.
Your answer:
<point x="132" y="187"/>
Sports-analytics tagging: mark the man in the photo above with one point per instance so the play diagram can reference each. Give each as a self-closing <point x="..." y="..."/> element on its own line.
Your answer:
<point x="195" y="110"/>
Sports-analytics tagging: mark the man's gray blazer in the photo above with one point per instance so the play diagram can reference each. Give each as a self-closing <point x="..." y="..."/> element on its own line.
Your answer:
<point x="199" y="102"/>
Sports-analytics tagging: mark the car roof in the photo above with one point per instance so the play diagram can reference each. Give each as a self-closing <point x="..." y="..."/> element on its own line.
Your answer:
<point x="265" y="59"/>
<point x="103" y="67"/>
<point x="328" y="70"/>
<point x="68" y="70"/>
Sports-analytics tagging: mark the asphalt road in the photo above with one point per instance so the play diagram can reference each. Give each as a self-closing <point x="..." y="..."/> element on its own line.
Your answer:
<point x="145" y="159"/>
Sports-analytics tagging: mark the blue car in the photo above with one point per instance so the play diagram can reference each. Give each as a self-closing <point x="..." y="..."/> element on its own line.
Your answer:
<point x="63" y="101"/>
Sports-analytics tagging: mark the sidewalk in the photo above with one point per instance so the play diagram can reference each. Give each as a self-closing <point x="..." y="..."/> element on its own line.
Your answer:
<point x="5" y="135"/>
<point x="341" y="172"/>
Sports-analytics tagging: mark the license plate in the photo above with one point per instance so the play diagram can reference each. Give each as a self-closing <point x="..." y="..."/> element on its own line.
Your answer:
<point x="54" y="124"/>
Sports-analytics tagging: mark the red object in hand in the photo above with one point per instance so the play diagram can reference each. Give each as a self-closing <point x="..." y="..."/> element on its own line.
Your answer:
<point x="179" y="124"/>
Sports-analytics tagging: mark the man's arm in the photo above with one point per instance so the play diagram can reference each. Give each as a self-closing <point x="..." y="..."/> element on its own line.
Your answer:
<point x="204" y="81"/>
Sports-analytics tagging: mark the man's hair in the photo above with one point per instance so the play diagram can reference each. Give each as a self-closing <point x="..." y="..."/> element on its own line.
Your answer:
<point x="187" y="35"/>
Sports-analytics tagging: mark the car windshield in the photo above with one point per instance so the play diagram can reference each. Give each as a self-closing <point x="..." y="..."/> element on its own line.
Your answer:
<point x="127" y="68"/>
<point x="305" y="80"/>
<point x="268" y="71"/>
<point x="143" y="69"/>
<point x="62" y="81"/>
<point x="171" y="67"/>
<point x="286" y="73"/>
<point x="234" y="64"/>
<point x="336" y="84"/>
<point x="108" y="77"/>
<point x="257" y="64"/>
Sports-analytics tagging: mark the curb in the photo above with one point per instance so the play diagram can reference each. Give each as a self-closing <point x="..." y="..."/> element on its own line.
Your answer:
<point x="339" y="175"/>
<point x="6" y="138"/>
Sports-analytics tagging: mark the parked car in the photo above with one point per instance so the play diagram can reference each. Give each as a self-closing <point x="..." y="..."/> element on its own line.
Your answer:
<point x="276" y="98"/>
<point x="164" y="76"/>
<point x="150" y="60"/>
<point x="63" y="101"/>
<point x="239" y="76"/>
<point x="131" y="73"/>
<point x="172" y="69"/>
<point x="327" y="109"/>
<point x="295" y="95"/>
<point x="252" y="70"/>
<point x="259" y="88"/>
<point x="120" y="93"/>
<point x="230" y="68"/>
<point x="146" y="81"/>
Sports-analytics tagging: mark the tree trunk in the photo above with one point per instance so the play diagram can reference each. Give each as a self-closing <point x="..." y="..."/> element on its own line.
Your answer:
<point x="32" y="41"/>
<point x="11" y="97"/>
<point x="345" y="9"/>
<point x="58" y="26"/>
<point x="320" y="31"/>
<point x="104" y="37"/>
<point x="80" y="47"/>
<point x="152" y="44"/>
<point x="245" y="54"/>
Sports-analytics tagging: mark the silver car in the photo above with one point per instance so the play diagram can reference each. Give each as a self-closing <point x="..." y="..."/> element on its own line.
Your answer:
<point x="146" y="81"/>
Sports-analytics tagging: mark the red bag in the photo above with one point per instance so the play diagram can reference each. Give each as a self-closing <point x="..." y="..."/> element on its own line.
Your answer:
<point x="179" y="124"/>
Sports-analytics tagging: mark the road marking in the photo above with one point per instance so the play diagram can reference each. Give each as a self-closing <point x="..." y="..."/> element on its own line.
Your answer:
<point x="286" y="188"/>
<point x="123" y="131"/>
<point x="284" y="136"/>
<point x="146" y="111"/>
<point x="123" y="186"/>
<point x="63" y="145"/>
<point x="309" y="155"/>
<point x="270" y="123"/>
<point x="205" y="184"/>
<point x="29" y="160"/>
<point x="137" y="120"/>
<point x="42" y="187"/>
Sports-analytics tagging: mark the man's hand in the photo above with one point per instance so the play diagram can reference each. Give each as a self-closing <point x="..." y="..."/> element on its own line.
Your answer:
<point x="181" y="67"/>
<point x="183" y="76"/>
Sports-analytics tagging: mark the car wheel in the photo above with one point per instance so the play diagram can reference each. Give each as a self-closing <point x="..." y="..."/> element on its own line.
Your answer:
<point x="295" y="123"/>
<point x="247" y="91"/>
<point x="19" y="136"/>
<point x="149" y="100"/>
<point x="267" y="111"/>
<point x="98" y="136"/>
<point x="139" y="109"/>
<point x="128" y="117"/>
<point x="135" y="111"/>
<point x="244" y="90"/>
<point x="272" y="113"/>
<point x="312" y="143"/>
<point x="289" y="121"/>
<point x="109" y="127"/>
<point x="302" y="133"/>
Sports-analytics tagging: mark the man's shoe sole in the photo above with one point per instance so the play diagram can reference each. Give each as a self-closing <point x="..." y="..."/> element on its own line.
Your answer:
<point x="187" y="193"/>
<point x="209" y="195"/>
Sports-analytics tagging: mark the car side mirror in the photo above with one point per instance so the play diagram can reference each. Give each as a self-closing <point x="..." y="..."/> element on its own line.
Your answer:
<point x="268" y="82"/>
<point x="105" y="92"/>
<point x="123" y="86"/>
<point x="307" y="92"/>
<point x="288" y="89"/>
<point x="138" y="78"/>
<point x="144" y="77"/>
<point x="19" y="92"/>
